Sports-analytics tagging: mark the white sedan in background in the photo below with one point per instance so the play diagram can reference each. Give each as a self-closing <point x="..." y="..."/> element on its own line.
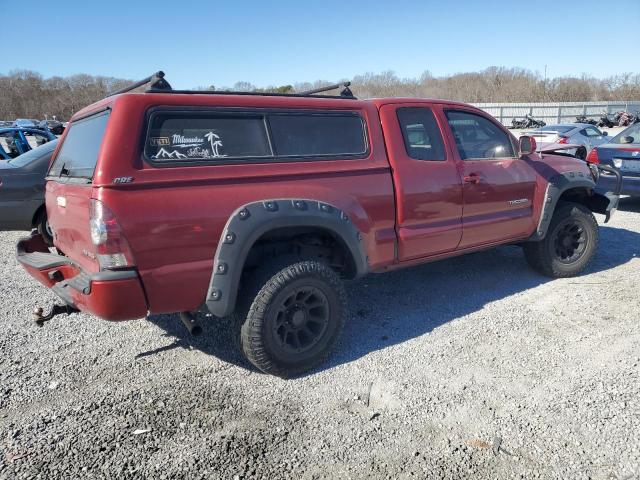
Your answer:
<point x="584" y="134"/>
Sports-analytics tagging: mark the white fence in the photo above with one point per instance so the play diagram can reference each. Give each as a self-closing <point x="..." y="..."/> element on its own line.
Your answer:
<point x="555" y="112"/>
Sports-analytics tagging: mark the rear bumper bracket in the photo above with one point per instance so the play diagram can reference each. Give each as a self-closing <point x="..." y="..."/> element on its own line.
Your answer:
<point x="56" y="309"/>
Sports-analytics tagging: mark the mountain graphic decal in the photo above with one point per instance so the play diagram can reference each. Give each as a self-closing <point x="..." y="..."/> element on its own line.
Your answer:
<point x="162" y="153"/>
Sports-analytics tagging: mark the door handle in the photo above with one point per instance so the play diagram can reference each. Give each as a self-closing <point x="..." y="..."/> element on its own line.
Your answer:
<point x="473" y="178"/>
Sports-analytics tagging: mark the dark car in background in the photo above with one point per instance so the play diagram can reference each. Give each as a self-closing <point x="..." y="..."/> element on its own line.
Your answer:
<point x="54" y="126"/>
<point x="623" y="153"/>
<point x="22" y="191"/>
<point x="16" y="141"/>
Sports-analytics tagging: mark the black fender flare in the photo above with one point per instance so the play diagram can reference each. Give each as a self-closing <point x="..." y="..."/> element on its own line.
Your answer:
<point x="251" y="221"/>
<point x="557" y="185"/>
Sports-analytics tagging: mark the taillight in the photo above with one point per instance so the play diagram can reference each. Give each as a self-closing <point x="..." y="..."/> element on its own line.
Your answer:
<point x="111" y="247"/>
<point x="593" y="156"/>
<point x="564" y="140"/>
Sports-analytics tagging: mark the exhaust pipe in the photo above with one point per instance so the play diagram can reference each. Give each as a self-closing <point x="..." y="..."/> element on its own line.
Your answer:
<point x="190" y="321"/>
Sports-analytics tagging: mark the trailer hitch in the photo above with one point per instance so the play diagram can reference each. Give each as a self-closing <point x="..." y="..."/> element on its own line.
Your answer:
<point x="40" y="318"/>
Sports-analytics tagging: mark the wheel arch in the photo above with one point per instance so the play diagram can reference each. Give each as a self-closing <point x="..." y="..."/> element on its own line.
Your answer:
<point x="578" y="187"/>
<point x="257" y="220"/>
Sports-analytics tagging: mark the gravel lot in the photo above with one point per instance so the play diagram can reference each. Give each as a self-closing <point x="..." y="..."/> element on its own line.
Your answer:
<point x="470" y="367"/>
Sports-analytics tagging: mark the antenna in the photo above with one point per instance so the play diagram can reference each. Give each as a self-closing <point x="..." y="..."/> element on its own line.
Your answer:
<point x="156" y="80"/>
<point x="346" y="92"/>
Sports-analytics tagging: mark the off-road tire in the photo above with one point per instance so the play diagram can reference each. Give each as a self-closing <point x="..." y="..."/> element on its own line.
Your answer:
<point x="571" y="220"/>
<point x="265" y="292"/>
<point x="42" y="226"/>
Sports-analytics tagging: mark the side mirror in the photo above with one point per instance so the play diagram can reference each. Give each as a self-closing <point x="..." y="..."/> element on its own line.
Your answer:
<point x="605" y="134"/>
<point x="527" y="145"/>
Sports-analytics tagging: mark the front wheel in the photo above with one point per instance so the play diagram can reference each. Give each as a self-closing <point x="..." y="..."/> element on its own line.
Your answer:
<point x="570" y="243"/>
<point x="295" y="318"/>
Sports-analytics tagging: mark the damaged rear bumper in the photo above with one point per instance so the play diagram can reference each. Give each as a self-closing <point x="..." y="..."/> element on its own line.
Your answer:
<point x="111" y="295"/>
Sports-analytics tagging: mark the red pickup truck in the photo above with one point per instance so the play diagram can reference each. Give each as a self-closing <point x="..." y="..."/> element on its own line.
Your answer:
<point x="258" y="205"/>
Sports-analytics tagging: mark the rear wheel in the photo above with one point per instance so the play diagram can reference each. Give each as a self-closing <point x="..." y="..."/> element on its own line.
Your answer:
<point x="44" y="229"/>
<point x="581" y="153"/>
<point x="295" y="318"/>
<point x="570" y="243"/>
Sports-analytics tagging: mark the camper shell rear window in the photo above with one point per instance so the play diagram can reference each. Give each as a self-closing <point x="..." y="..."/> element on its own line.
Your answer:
<point x="176" y="137"/>
<point x="78" y="154"/>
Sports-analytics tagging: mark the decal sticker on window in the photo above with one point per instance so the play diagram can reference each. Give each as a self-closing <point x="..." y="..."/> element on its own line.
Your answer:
<point x="159" y="141"/>
<point x="180" y="146"/>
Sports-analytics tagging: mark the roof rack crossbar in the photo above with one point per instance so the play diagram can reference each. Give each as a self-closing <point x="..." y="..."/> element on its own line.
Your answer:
<point x="159" y="85"/>
<point x="346" y="92"/>
<point x="254" y="94"/>
<point x="156" y="80"/>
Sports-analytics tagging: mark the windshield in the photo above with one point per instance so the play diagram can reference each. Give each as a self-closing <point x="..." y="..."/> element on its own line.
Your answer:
<point x="33" y="155"/>
<point x="629" y="136"/>
<point x="79" y="152"/>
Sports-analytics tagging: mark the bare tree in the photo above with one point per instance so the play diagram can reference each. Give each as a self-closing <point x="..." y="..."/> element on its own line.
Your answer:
<point x="27" y="94"/>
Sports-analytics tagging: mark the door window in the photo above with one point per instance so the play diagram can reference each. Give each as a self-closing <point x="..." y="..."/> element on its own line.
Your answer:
<point x="591" y="132"/>
<point x="8" y="146"/>
<point x="477" y="137"/>
<point x="422" y="136"/>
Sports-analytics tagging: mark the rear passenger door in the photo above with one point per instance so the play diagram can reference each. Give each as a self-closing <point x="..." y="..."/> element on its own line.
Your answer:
<point x="498" y="187"/>
<point x="428" y="187"/>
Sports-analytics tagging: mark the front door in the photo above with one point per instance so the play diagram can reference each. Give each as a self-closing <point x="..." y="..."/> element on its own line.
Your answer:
<point x="498" y="187"/>
<point x="428" y="187"/>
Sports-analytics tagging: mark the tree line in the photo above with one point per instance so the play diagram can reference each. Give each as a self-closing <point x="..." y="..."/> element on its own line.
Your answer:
<point x="27" y="94"/>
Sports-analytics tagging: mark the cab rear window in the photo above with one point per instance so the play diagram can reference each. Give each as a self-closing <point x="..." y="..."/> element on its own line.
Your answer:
<point x="228" y="137"/>
<point x="79" y="153"/>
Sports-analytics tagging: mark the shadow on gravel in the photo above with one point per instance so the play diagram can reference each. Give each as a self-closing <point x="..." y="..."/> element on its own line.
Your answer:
<point x="216" y="339"/>
<point x="391" y="308"/>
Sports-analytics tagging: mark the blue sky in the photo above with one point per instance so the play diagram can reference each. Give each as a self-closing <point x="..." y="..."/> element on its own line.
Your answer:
<point x="199" y="43"/>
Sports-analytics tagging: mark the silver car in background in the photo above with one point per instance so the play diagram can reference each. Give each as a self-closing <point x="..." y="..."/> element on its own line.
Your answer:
<point x="583" y="134"/>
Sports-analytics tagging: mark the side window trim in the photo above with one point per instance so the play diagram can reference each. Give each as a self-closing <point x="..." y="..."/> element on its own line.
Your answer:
<point x="265" y="113"/>
<point x="454" y="145"/>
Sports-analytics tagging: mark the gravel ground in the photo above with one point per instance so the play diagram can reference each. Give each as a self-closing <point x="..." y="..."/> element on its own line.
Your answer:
<point x="469" y="367"/>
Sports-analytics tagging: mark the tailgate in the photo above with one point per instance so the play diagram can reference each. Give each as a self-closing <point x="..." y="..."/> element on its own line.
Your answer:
<point x="68" y="209"/>
<point x="69" y="188"/>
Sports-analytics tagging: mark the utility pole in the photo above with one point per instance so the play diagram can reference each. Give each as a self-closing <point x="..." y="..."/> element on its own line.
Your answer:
<point x="544" y="89"/>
